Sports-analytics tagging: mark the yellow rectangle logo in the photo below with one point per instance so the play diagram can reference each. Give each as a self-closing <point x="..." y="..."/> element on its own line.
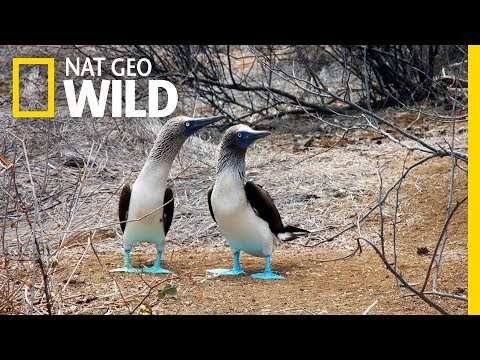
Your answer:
<point x="16" y="112"/>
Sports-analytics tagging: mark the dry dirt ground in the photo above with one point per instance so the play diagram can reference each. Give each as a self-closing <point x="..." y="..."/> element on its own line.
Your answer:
<point x="312" y="286"/>
<point x="314" y="283"/>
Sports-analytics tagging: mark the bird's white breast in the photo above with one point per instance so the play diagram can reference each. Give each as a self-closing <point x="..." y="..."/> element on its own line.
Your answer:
<point x="146" y="200"/>
<point x="236" y="219"/>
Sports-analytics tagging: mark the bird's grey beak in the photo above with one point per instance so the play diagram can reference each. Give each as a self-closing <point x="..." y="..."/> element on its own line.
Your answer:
<point x="254" y="134"/>
<point x="198" y="123"/>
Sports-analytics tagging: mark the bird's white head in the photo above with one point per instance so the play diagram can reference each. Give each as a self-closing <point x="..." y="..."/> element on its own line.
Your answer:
<point x="242" y="136"/>
<point x="184" y="126"/>
<point x="174" y="133"/>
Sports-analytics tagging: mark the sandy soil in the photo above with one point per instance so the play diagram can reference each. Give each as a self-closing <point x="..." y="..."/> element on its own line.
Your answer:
<point x="311" y="287"/>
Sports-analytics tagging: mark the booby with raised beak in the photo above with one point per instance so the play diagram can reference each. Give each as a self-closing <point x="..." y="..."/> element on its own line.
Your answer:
<point x="146" y="209"/>
<point x="245" y="213"/>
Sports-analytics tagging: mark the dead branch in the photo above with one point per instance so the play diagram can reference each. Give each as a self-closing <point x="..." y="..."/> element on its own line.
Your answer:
<point x="420" y="294"/>
<point x="440" y="239"/>
<point x="357" y="249"/>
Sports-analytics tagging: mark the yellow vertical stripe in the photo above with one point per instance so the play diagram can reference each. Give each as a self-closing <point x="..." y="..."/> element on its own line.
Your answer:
<point x="16" y="112"/>
<point x="473" y="175"/>
<point x="15" y="88"/>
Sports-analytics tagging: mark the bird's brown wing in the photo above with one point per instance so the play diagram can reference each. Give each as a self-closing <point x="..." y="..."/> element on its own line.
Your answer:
<point x="209" y="194"/>
<point x="168" y="209"/>
<point x="263" y="204"/>
<point x="123" y="205"/>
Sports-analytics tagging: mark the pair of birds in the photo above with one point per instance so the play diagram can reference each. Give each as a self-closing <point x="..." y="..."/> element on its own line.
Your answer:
<point x="245" y="213"/>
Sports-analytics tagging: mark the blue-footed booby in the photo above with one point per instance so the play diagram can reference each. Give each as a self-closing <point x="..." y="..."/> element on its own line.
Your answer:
<point x="245" y="213"/>
<point x="146" y="209"/>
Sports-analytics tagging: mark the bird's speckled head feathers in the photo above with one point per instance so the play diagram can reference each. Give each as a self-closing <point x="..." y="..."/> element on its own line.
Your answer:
<point x="234" y="144"/>
<point x="176" y="127"/>
<point x="174" y="133"/>
<point x="241" y="136"/>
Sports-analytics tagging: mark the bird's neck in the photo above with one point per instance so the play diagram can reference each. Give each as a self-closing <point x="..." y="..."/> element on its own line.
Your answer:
<point x="160" y="158"/>
<point x="155" y="173"/>
<point x="231" y="162"/>
<point x="166" y="147"/>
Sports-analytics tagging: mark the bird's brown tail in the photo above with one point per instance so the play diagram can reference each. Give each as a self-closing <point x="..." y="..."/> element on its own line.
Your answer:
<point x="290" y="228"/>
<point x="288" y="233"/>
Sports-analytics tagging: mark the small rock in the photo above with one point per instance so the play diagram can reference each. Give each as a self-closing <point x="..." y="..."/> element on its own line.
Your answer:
<point x="423" y="251"/>
<point x="459" y="291"/>
<point x="75" y="161"/>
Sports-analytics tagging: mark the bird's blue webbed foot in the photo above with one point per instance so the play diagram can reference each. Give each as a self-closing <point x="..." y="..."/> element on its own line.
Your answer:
<point x="237" y="270"/>
<point x="267" y="274"/>
<point x="127" y="267"/>
<point x="226" y="271"/>
<point x="155" y="269"/>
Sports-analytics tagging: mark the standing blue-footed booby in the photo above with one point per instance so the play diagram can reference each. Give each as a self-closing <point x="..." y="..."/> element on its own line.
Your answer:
<point x="146" y="209"/>
<point x="245" y="213"/>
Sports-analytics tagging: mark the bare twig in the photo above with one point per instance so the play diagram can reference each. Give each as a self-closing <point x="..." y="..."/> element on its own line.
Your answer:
<point x="358" y="248"/>
<point x="449" y="204"/>
<point x="440" y="239"/>
<point x="367" y="310"/>
<point x="402" y="280"/>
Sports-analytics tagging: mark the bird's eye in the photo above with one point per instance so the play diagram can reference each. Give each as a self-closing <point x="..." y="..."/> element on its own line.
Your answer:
<point x="239" y="135"/>
<point x="187" y="124"/>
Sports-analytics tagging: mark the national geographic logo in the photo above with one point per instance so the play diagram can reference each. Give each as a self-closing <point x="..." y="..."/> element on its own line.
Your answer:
<point x="121" y="92"/>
